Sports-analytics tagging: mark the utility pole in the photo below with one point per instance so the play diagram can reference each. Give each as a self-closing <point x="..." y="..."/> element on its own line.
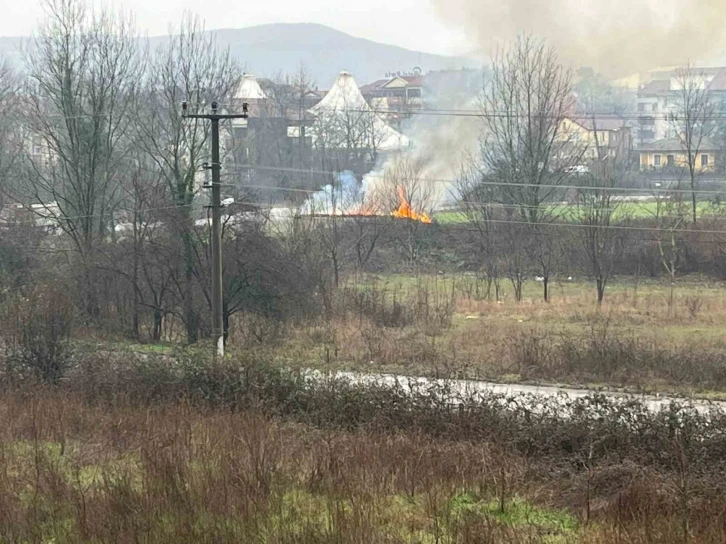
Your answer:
<point x="216" y="205"/>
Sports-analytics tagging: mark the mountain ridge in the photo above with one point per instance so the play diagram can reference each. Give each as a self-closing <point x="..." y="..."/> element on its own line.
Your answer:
<point x="270" y="49"/>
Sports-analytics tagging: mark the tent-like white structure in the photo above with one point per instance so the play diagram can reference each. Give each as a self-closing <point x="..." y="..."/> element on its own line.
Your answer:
<point x="344" y="115"/>
<point x="249" y="89"/>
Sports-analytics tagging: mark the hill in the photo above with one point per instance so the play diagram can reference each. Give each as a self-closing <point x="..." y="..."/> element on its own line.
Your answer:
<point x="266" y="50"/>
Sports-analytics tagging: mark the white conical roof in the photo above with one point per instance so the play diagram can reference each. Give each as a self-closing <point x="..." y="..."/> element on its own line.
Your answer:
<point x="343" y="95"/>
<point x="249" y="89"/>
<point x="343" y="99"/>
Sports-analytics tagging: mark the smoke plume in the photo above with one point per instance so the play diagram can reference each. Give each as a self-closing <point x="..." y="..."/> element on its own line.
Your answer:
<point x="616" y="37"/>
<point x="439" y="143"/>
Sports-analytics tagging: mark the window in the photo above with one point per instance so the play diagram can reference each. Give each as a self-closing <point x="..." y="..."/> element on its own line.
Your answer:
<point x="656" y="160"/>
<point x="671" y="160"/>
<point x="704" y="160"/>
<point x="641" y="107"/>
<point x="655" y="107"/>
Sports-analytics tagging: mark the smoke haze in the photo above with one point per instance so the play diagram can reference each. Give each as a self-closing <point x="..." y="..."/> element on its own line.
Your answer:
<point x="616" y="37"/>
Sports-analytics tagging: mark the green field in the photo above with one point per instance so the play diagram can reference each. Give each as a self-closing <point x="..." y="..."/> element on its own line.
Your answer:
<point x="624" y="210"/>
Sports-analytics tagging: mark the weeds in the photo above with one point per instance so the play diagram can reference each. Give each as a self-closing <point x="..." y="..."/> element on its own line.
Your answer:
<point x="178" y="470"/>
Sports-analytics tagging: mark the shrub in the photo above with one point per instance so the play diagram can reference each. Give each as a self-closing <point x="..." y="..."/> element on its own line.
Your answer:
<point x="37" y="334"/>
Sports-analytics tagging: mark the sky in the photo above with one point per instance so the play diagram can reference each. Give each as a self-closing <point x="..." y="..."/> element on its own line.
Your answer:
<point x="385" y="21"/>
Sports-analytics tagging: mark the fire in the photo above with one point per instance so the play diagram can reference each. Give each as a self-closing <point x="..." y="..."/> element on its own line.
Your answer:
<point x="405" y="211"/>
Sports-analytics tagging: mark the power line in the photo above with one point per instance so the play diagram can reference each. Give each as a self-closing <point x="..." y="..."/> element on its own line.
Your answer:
<point x="247" y="167"/>
<point x="479" y="115"/>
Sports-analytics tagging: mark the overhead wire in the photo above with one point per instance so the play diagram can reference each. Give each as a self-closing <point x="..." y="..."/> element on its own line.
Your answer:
<point x="585" y="116"/>
<point x="247" y="167"/>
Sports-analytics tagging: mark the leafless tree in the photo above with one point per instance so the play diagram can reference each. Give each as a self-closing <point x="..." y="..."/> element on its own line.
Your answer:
<point x="348" y="136"/>
<point x="9" y="84"/>
<point x="671" y="217"/>
<point x="523" y="108"/>
<point x="83" y="72"/>
<point x="369" y="226"/>
<point x="337" y="200"/>
<point x="190" y="67"/>
<point x="525" y="152"/>
<point x="410" y="195"/>
<point x="596" y="211"/>
<point x="478" y="203"/>
<point x="692" y="121"/>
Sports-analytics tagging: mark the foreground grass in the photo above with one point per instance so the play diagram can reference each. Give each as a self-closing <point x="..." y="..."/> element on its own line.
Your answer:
<point x="135" y="469"/>
<point x="72" y="473"/>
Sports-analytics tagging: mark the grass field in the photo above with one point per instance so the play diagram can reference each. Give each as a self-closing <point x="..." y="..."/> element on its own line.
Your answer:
<point x="632" y="210"/>
<point x="444" y="325"/>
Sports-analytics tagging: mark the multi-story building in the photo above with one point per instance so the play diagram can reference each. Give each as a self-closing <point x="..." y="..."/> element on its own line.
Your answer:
<point x="659" y="99"/>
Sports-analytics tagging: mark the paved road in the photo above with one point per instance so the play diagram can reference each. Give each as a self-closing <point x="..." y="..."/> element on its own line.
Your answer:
<point x="468" y="388"/>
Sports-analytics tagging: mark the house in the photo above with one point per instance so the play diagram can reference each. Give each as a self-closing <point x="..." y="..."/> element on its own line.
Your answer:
<point x="398" y="93"/>
<point x="597" y="137"/>
<point x="672" y="154"/>
<point x="658" y="99"/>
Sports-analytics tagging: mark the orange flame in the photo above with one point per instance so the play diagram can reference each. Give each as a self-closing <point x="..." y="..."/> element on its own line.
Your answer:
<point x="404" y="210"/>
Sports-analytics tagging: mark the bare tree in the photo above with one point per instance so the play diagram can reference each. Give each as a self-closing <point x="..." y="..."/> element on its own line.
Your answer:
<point x="692" y="121"/>
<point x="478" y="203"/>
<point x="597" y="209"/>
<point x="523" y="108"/>
<point x="525" y="152"/>
<point x="671" y="217"/>
<point x="8" y="130"/>
<point x="348" y="135"/>
<point x="368" y="228"/>
<point x="190" y="67"/>
<point x="83" y="73"/>
<point x="410" y="195"/>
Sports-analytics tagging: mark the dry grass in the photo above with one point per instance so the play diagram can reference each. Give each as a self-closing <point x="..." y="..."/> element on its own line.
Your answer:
<point x="74" y="472"/>
<point x="443" y="326"/>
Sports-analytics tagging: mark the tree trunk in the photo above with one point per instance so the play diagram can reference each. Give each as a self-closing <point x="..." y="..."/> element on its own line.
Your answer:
<point x="545" y="287"/>
<point x="156" y="329"/>
<point x="225" y="321"/>
<point x="135" y="279"/>
<point x="517" y="284"/>
<point x="693" y="198"/>
<point x="336" y="269"/>
<point x="600" y="290"/>
<point x="89" y="291"/>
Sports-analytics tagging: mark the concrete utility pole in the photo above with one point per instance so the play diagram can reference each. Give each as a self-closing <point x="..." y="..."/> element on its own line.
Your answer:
<point x="217" y="294"/>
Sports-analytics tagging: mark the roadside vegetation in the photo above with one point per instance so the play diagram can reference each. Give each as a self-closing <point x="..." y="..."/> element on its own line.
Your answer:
<point x="132" y="449"/>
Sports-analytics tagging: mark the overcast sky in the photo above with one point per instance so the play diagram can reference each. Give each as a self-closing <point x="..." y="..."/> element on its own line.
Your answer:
<point x="408" y="23"/>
